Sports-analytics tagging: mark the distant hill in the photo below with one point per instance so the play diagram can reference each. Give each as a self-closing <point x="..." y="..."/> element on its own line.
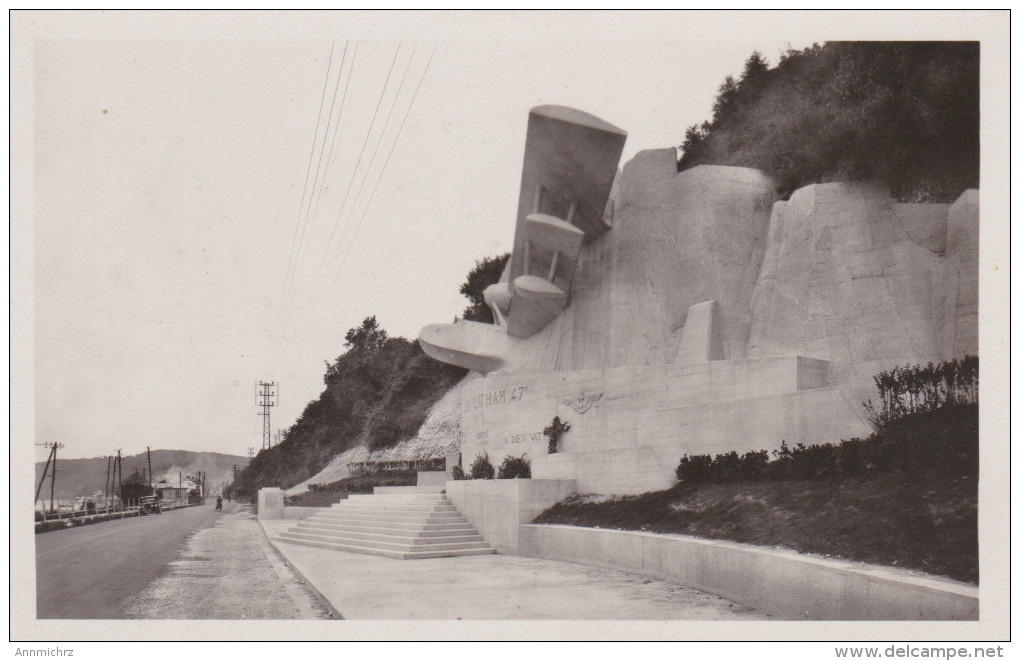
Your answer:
<point x="81" y="477"/>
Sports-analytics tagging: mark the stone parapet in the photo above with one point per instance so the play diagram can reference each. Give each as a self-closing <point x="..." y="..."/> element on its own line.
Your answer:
<point x="784" y="584"/>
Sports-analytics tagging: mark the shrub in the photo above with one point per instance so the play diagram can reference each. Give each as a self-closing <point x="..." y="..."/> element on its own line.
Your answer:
<point x="909" y="389"/>
<point x="694" y="469"/>
<point x="481" y="469"/>
<point x="515" y="467"/>
<point x="947" y="437"/>
<point x="458" y="473"/>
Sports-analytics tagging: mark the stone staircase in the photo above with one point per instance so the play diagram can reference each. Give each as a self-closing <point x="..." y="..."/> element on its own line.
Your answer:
<point x="396" y="522"/>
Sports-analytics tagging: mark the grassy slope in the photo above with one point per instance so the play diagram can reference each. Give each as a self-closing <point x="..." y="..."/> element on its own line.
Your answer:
<point x="925" y="519"/>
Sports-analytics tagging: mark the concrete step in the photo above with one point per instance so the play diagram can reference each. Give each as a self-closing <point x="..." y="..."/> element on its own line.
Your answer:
<point x="392" y="537"/>
<point x="385" y="504"/>
<point x="401" y="524"/>
<point x="384" y="508"/>
<point x="401" y="555"/>
<point x="410" y="490"/>
<point x="395" y="517"/>
<point x="427" y="530"/>
<point x="406" y="547"/>
<point x="398" y="498"/>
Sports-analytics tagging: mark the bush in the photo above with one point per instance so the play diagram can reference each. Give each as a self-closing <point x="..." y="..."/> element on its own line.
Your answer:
<point x="458" y="473"/>
<point x="481" y="469"/>
<point x="947" y="437"/>
<point x="694" y="469"/>
<point x="906" y="390"/>
<point x="514" y="468"/>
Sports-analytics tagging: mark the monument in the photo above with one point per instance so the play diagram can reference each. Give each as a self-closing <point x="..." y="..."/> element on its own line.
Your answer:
<point x="664" y="313"/>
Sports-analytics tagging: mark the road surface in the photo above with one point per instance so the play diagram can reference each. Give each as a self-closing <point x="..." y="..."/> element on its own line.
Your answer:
<point x="94" y="571"/>
<point x="192" y="563"/>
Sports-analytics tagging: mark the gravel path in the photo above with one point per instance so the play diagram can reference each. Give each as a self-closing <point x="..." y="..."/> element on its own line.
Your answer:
<point x="229" y="571"/>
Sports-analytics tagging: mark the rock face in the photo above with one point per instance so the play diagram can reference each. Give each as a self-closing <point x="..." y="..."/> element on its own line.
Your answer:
<point x="853" y="277"/>
<point x="713" y="317"/>
<point x="840" y="272"/>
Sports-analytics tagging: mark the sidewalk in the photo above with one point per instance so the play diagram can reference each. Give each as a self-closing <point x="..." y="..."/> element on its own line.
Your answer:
<point x="492" y="587"/>
<point x="228" y="571"/>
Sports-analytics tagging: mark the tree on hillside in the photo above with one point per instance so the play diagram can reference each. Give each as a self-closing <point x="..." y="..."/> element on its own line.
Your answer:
<point x="905" y="113"/>
<point x="368" y="337"/>
<point x="486" y="272"/>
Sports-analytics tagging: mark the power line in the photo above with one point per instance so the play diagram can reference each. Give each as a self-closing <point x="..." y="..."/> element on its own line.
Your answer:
<point x="361" y="154"/>
<point x="304" y="190"/>
<point x="289" y="289"/>
<point x="290" y="292"/>
<point x="383" y="171"/>
<point x="343" y="103"/>
<point x="324" y="292"/>
<point x="357" y="168"/>
<point x="375" y="151"/>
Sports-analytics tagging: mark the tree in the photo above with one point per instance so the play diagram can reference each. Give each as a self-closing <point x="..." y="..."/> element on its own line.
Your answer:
<point x="905" y="113"/>
<point x="486" y="272"/>
<point x="368" y="337"/>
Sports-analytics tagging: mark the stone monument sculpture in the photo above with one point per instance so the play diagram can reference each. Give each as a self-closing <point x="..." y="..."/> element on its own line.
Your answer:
<point x="665" y="313"/>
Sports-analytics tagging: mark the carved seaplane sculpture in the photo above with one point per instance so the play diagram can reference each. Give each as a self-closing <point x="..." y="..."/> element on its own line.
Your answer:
<point x="570" y="161"/>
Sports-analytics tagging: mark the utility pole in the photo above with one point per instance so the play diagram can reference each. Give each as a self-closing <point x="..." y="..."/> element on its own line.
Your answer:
<point x="251" y="453"/>
<point x="120" y="481"/>
<point x="148" y="454"/>
<point x="109" y="462"/>
<point x="267" y="400"/>
<point x="51" y="468"/>
<point x="235" y="473"/>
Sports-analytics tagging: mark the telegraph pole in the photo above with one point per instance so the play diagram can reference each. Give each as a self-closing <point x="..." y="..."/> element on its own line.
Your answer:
<point x="51" y="468"/>
<point x="148" y="454"/>
<point x="109" y="463"/>
<point x="53" y="474"/>
<point x="267" y="400"/>
<point x="120" y="482"/>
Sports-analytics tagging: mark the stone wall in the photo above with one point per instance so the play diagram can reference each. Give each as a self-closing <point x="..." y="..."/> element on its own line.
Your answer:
<point x="631" y="425"/>
<point x="784" y="584"/>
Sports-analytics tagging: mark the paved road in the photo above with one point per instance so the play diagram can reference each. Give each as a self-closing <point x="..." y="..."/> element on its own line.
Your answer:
<point x="95" y="571"/>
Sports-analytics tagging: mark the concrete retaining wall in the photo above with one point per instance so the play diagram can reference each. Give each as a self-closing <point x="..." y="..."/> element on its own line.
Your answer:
<point x="497" y="508"/>
<point x="784" y="584"/>
<point x="433" y="478"/>
<point x="291" y="512"/>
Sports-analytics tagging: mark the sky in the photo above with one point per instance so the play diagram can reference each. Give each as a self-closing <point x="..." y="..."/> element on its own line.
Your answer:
<point x="191" y="232"/>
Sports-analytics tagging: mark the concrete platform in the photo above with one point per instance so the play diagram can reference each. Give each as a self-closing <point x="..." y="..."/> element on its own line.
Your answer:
<point x="492" y="587"/>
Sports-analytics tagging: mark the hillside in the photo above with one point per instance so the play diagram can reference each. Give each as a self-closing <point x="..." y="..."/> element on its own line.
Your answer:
<point x="904" y="113"/>
<point x="80" y="477"/>
<point x="379" y="393"/>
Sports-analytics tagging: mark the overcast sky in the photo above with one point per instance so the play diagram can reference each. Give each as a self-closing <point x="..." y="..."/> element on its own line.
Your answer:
<point x="175" y="227"/>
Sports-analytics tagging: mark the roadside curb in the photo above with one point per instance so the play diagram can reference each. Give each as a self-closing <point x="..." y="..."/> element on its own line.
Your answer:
<point x="333" y="612"/>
